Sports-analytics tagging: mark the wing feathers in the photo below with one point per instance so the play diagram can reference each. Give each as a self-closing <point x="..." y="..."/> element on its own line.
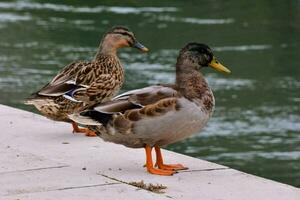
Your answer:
<point x="117" y="106"/>
<point x="125" y="110"/>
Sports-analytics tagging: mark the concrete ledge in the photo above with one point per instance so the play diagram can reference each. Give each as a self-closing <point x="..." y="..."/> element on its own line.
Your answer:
<point x="42" y="159"/>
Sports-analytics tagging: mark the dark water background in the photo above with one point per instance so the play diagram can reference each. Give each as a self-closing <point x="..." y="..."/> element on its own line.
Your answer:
<point x="256" y="125"/>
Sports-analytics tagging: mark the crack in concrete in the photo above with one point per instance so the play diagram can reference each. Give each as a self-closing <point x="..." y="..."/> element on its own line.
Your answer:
<point x="205" y="170"/>
<point x="127" y="183"/>
<point x="34" y="169"/>
<point x="168" y="196"/>
<point x="85" y="186"/>
<point x="60" y="189"/>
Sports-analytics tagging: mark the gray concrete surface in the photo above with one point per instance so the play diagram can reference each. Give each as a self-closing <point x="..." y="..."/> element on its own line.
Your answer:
<point x="42" y="159"/>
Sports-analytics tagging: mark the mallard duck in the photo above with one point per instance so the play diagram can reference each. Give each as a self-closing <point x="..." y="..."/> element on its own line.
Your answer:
<point x="83" y="84"/>
<point x="159" y="115"/>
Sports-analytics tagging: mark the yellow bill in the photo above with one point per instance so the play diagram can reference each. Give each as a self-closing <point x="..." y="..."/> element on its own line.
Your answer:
<point x="218" y="66"/>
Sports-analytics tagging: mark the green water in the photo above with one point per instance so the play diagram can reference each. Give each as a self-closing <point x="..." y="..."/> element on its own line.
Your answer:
<point x="256" y="124"/>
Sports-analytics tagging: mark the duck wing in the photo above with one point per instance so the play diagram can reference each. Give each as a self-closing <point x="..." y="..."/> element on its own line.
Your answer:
<point x="65" y="81"/>
<point x="137" y="99"/>
<point x="130" y="107"/>
<point x="79" y="81"/>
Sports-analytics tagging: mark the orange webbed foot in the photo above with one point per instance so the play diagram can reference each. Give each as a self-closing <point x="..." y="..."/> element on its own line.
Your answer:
<point x="174" y="167"/>
<point x="87" y="131"/>
<point x="161" y="172"/>
<point x="160" y="163"/>
<point x="149" y="164"/>
<point x="90" y="133"/>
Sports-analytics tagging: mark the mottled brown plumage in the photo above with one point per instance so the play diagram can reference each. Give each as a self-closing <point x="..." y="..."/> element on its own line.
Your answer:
<point x="83" y="84"/>
<point x="159" y="115"/>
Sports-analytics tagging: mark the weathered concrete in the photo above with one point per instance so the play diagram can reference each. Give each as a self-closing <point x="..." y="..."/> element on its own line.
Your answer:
<point x="41" y="159"/>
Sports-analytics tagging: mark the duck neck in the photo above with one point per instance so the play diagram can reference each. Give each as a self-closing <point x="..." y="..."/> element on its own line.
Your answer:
<point x="106" y="47"/>
<point x="190" y="81"/>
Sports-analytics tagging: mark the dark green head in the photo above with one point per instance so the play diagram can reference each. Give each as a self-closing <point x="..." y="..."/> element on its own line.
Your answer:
<point x="200" y="55"/>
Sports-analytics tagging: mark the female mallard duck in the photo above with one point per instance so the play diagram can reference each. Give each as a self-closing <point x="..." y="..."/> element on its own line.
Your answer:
<point x="83" y="84"/>
<point x="159" y="115"/>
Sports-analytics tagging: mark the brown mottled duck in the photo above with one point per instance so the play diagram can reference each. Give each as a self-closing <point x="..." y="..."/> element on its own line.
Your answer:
<point x="159" y="115"/>
<point x="83" y="84"/>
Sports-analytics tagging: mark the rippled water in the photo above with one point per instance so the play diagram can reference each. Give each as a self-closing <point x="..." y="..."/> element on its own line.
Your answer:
<point x="256" y="125"/>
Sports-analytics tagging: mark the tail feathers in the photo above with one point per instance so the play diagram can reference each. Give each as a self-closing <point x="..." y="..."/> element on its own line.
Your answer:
<point x="28" y="102"/>
<point x="103" y="118"/>
<point x="84" y="120"/>
<point x="31" y="101"/>
<point x="37" y="101"/>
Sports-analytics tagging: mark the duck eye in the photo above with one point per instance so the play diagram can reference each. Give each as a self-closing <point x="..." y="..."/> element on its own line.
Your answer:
<point x="129" y="40"/>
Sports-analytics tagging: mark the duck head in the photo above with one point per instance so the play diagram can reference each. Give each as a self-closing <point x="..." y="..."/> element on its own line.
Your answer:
<point x="197" y="55"/>
<point x="120" y="37"/>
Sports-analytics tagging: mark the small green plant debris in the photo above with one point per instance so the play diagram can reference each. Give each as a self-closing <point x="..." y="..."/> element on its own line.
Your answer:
<point x="157" y="188"/>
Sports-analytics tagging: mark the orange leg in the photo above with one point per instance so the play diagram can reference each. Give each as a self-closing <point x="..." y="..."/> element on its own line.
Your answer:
<point x="160" y="163"/>
<point x="149" y="164"/>
<point x="87" y="132"/>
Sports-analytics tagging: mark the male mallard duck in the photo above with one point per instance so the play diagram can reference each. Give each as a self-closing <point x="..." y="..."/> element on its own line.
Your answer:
<point x="83" y="84"/>
<point x="159" y="115"/>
